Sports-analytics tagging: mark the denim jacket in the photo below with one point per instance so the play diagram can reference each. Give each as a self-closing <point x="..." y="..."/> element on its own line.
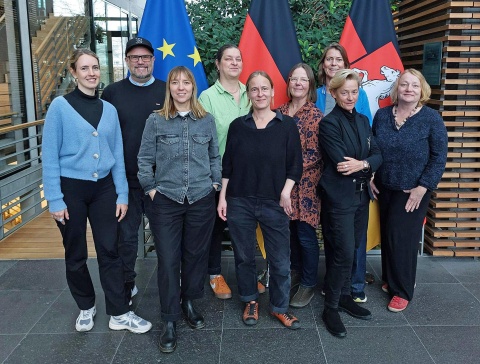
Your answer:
<point x="179" y="157"/>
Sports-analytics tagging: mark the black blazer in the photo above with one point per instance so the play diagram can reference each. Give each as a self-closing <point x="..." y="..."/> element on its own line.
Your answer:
<point x="338" y="140"/>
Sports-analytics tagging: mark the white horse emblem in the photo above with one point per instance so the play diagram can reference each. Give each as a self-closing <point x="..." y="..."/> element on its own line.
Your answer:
<point x="378" y="89"/>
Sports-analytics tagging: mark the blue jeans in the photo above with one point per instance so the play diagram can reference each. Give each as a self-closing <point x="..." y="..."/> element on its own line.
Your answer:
<point x="359" y="266"/>
<point x="305" y="252"/>
<point x="243" y="214"/>
<point x="128" y="236"/>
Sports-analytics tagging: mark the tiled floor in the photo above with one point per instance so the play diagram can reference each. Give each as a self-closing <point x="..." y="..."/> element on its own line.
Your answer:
<point x="441" y="325"/>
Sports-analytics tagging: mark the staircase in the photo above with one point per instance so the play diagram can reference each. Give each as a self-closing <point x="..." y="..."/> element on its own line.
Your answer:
<point x="51" y="48"/>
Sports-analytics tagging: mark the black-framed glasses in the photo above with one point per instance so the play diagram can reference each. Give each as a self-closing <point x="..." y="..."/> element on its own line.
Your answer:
<point x="144" y="57"/>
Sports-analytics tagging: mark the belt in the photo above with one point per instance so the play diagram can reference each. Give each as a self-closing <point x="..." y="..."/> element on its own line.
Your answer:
<point x="361" y="186"/>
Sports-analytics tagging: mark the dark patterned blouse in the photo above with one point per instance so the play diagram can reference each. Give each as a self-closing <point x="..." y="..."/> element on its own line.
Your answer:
<point x="305" y="201"/>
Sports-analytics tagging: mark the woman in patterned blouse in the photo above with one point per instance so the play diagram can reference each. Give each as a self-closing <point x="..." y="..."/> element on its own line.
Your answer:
<point x="305" y="201"/>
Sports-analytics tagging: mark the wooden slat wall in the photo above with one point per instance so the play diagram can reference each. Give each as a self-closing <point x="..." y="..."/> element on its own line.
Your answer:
<point x="453" y="219"/>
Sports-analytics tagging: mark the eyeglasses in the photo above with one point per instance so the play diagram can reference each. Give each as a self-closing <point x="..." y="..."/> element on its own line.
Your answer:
<point x="144" y="57"/>
<point x="296" y="79"/>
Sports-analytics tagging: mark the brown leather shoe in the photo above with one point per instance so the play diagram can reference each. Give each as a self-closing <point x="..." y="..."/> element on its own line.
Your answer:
<point x="287" y="319"/>
<point x="250" y="314"/>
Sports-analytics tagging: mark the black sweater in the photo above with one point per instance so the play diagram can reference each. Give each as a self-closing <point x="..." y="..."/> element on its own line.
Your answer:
<point x="134" y="104"/>
<point x="257" y="162"/>
<point x="89" y="107"/>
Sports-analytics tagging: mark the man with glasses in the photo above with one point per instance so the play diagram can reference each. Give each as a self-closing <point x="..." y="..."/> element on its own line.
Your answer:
<point x="135" y="98"/>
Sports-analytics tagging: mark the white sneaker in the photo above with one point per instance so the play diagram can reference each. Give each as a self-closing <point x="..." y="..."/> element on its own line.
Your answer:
<point x="131" y="322"/>
<point x="85" y="319"/>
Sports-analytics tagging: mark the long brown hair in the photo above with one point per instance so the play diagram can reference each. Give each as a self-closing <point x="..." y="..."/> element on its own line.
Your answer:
<point x="169" y="110"/>
<point x="322" y="77"/>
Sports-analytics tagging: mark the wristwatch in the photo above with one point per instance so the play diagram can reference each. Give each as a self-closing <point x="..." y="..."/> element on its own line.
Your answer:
<point x="366" y="166"/>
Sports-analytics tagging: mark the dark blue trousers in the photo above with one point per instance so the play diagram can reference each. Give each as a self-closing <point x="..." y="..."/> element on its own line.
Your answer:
<point x="243" y="214"/>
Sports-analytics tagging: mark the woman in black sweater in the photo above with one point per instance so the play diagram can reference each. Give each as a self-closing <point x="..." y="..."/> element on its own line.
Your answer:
<point x="261" y="164"/>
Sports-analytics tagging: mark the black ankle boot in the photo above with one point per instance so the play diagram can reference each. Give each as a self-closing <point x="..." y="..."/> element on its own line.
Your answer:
<point x="168" y="339"/>
<point x="194" y="319"/>
<point x="348" y="305"/>
<point x="333" y="322"/>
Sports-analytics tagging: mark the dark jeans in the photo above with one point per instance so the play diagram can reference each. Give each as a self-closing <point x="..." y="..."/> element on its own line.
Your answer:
<point x="401" y="233"/>
<point x="305" y="251"/>
<point x="97" y="202"/>
<point x="215" y="253"/>
<point x="359" y="266"/>
<point x="243" y="214"/>
<point x="128" y="232"/>
<point x="182" y="235"/>
<point x="342" y="231"/>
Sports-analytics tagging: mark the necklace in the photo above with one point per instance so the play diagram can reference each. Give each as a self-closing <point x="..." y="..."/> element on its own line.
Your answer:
<point x="400" y="124"/>
<point x="233" y="92"/>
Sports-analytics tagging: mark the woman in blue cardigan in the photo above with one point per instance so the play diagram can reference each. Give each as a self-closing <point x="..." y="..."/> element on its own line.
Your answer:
<point x="335" y="58"/>
<point x="84" y="177"/>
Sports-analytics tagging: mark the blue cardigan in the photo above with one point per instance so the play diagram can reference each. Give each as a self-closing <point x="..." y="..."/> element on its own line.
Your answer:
<point x="361" y="106"/>
<point x="73" y="148"/>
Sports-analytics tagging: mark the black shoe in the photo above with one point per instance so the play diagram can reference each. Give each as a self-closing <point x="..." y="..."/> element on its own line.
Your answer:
<point x="168" y="339"/>
<point x="194" y="319"/>
<point x="333" y="322"/>
<point x="348" y="305"/>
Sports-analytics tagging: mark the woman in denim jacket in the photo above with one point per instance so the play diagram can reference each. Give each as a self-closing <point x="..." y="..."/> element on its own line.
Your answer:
<point x="179" y="169"/>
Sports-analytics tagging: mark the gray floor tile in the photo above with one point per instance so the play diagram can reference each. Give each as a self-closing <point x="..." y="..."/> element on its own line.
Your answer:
<point x="8" y="344"/>
<point x="473" y="288"/>
<point x="451" y="344"/>
<point x="84" y="348"/>
<point x="375" y="345"/>
<point x="443" y="304"/>
<point x="193" y="346"/>
<point x="61" y="316"/>
<point x="20" y="310"/>
<point x="276" y="346"/>
<point x="5" y="265"/>
<point x="35" y="274"/>
<point x="466" y="270"/>
<point x="430" y="271"/>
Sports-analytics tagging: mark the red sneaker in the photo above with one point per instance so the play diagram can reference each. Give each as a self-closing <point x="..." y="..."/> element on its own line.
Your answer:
<point x="397" y="304"/>
<point x="385" y="287"/>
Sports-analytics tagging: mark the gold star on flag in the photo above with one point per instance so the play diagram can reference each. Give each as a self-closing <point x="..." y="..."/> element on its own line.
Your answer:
<point x="166" y="49"/>
<point x="195" y="56"/>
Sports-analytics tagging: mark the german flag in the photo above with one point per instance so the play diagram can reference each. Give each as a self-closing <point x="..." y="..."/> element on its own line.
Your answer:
<point x="269" y="43"/>
<point x="371" y="43"/>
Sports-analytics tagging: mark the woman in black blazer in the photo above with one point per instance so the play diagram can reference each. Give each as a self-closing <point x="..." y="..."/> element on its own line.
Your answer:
<point x="350" y="157"/>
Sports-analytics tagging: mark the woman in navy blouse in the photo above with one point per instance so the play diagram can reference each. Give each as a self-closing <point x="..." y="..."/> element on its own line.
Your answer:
<point x="413" y="140"/>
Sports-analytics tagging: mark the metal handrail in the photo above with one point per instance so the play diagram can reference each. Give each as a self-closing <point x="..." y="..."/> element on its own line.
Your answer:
<point x="21" y="189"/>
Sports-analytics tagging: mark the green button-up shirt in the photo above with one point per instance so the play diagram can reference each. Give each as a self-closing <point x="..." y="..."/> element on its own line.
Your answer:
<point x="222" y="105"/>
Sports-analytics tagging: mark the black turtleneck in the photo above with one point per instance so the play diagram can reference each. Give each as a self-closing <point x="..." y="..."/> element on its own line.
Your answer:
<point x="350" y="116"/>
<point x="89" y="107"/>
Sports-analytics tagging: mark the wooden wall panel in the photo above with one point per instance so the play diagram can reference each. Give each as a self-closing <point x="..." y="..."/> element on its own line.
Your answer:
<point x="453" y="219"/>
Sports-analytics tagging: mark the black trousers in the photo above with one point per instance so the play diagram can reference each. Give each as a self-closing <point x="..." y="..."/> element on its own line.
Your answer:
<point x="400" y="233"/>
<point x="97" y="202"/>
<point x="182" y="235"/>
<point x="342" y="230"/>
<point x="128" y="234"/>
<point x="215" y="253"/>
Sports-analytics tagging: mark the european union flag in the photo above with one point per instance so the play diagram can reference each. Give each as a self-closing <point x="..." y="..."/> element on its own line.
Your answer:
<point x="166" y="25"/>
